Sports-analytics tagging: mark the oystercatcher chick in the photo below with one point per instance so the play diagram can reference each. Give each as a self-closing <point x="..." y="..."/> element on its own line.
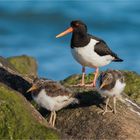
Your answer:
<point x="111" y="84"/>
<point x="88" y="50"/>
<point x="51" y="96"/>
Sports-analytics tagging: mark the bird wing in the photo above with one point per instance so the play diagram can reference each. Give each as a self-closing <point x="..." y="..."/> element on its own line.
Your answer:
<point x="55" y="89"/>
<point x="61" y="99"/>
<point x="102" y="49"/>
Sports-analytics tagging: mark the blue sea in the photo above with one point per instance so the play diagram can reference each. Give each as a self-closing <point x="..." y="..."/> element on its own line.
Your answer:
<point x="30" y="27"/>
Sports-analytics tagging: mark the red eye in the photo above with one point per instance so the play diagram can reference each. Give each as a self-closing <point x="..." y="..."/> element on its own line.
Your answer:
<point x="77" y="24"/>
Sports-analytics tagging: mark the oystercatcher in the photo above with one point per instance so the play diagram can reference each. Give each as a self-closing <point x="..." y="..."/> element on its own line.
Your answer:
<point x="88" y="50"/>
<point x="111" y="84"/>
<point x="51" y="96"/>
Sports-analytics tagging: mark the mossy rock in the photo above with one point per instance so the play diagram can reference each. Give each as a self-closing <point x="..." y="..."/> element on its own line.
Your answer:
<point x="17" y="120"/>
<point x="6" y="64"/>
<point x="26" y="65"/>
<point x="76" y="79"/>
<point x="132" y="83"/>
<point x="85" y="121"/>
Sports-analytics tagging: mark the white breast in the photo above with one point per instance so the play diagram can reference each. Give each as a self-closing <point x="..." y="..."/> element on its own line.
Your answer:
<point x="116" y="91"/>
<point x="86" y="56"/>
<point x="52" y="103"/>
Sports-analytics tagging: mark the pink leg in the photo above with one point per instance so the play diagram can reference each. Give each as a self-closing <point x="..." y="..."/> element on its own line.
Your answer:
<point x="93" y="84"/>
<point x="95" y="76"/>
<point x="83" y="76"/>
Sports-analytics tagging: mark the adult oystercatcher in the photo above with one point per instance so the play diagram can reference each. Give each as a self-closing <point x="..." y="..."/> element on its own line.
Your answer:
<point x="111" y="84"/>
<point x="51" y="96"/>
<point x="88" y="50"/>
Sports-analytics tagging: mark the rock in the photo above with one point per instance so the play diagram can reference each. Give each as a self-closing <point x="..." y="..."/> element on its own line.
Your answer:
<point x="86" y="122"/>
<point x="26" y="65"/>
<point x="12" y="78"/>
<point x="7" y="65"/>
<point x="20" y="120"/>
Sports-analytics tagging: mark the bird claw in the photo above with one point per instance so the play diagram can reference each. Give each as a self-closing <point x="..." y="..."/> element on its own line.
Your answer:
<point x="114" y="111"/>
<point x="79" y="85"/>
<point x="90" y="85"/>
<point x="50" y="123"/>
<point x="103" y="112"/>
<point x="84" y="85"/>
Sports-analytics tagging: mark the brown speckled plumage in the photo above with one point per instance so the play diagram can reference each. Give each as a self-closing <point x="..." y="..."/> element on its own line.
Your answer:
<point x="51" y="96"/>
<point x="52" y="88"/>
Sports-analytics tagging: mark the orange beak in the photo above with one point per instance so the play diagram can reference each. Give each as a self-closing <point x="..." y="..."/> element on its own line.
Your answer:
<point x="69" y="30"/>
<point x="31" y="89"/>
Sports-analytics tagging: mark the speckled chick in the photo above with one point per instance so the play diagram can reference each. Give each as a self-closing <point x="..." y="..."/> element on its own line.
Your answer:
<point x="51" y="96"/>
<point x="111" y="83"/>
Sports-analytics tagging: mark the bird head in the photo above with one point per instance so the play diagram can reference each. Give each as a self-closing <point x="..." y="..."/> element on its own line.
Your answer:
<point x="37" y="84"/>
<point x="106" y="79"/>
<point x="75" y="26"/>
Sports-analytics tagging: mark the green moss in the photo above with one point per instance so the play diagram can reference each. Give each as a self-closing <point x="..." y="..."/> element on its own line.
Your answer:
<point x="76" y="79"/>
<point x="16" y="120"/>
<point x="24" y="64"/>
<point x="132" y="83"/>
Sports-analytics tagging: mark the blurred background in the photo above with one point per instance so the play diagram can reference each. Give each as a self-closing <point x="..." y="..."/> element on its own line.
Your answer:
<point x="30" y="27"/>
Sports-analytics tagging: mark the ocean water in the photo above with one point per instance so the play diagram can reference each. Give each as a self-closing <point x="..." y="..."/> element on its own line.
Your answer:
<point x="30" y="27"/>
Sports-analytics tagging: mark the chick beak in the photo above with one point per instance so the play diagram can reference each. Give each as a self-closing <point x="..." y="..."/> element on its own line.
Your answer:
<point x="32" y="88"/>
<point x="103" y="84"/>
<point x="69" y="30"/>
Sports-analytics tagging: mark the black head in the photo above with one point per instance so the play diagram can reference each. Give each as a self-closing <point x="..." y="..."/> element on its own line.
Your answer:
<point x="80" y="38"/>
<point x="78" y="26"/>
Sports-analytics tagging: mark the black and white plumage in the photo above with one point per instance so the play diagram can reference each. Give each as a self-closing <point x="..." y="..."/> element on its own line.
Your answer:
<point x="89" y="50"/>
<point x="51" y="96"/>
<point x="111" y="83"/>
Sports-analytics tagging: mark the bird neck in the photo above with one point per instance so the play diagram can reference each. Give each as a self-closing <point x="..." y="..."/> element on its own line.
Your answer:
<point x="36" y="92"/>
<point x="79" y="39"/>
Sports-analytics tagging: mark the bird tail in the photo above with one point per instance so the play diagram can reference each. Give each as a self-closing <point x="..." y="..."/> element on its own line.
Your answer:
<point x="75" y="101"/>
<point x="117" y="60"/>
<point x="71" y="101"/>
